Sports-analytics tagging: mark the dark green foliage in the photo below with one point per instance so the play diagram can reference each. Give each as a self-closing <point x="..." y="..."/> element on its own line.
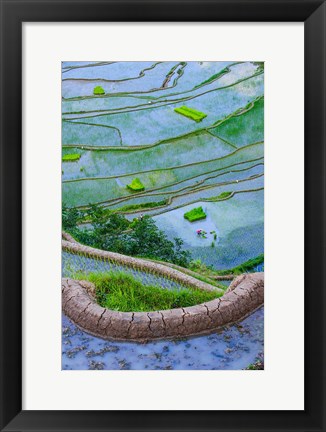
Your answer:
<point x="70" y="218"/>
<point x="195" y="214"/>
<point x="260" y="66"/>
<point x="121" y="291"/>
<point x="113" y="232"/>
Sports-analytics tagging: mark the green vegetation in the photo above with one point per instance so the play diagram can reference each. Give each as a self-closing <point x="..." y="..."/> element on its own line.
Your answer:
<point x="136" y="185"/>
<point x="198" y="266"/>
<point x="73" y="157"/>
<point x="208" y="271"/>
<point x="255" y="366"/>
<point x="213" y="78"/>
<point x="114" y="232"/>
<point x="224" y="195"/>
<point x="244" y="267"/>
<point x="140" y="206"/>
<point x="190" y="113"/>
<point x="195" y="214"/>
<point x="260" y="66"/>
<point x="258" y="363"/>
<point x="98" y="90"/>
<point x="244" y="128"/>
<point x="83" y="191"/>
<point x="122" y="292"/>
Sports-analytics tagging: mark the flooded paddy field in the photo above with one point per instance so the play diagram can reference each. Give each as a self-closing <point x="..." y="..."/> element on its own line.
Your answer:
<point x="235" y="347"/>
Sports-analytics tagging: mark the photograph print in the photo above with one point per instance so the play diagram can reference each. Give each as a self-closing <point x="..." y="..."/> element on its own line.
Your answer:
<point x="163" y="215"/>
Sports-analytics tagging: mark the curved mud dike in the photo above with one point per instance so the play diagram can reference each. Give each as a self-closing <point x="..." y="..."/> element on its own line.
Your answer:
<point x="70" y="245"/>
<point x="245" y="294"/>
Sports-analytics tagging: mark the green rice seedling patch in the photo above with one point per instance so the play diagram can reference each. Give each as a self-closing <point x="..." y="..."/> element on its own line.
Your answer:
<point x="136" y="185"/>
<point x="83" y="191"/>
<point x="148" y="84"/>
<point x="240" y="227"/>
<point x="190" y="113"/>
<point x="151" y="121"/>
<point x="71" y="157"/>
<point x="195" y="214"/>
<point x="188" y="150"/>
<point x="98" y="90"/>
<point x="122" y="292"/>
<point x="190" y="186"/>
<point x="109" y="193"/>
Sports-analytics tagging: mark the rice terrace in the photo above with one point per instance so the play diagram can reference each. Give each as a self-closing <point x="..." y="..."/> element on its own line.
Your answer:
<point x="163" y="215"/>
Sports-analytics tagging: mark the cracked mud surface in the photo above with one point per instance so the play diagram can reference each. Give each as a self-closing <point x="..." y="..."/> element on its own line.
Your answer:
<point x="244" y="295"/>
<point x="231" y="348"/>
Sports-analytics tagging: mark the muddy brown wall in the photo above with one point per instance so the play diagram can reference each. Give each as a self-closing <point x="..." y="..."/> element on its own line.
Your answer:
<point x="245" y="294"/>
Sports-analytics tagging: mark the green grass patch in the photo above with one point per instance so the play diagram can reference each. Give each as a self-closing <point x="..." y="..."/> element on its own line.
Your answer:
<point x="122" y="292"/>
<point x="72" y="157"/>
<point x="195" y="214"/>
<point x="136" y="185"/>
<point x="98" y="90"/>
<point x="190" y="113"/>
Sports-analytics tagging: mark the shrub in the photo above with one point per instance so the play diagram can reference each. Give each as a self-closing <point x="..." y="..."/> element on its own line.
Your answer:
<point x="195" y="214"/>
<point x="123" y="292"/>
<point x="73" y="157"/>
<point x="114" y="232"/>
<point x="98" y="90"/>
<point x="190" y="113"/>
<point x="136" y="185"/>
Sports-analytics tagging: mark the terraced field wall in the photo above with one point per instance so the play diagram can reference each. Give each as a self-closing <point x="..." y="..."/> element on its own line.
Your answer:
<point x="244" y="295"/>
<point x="137" y="263"/>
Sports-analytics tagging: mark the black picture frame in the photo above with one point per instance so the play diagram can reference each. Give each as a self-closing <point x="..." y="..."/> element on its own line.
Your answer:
<point x="13" y="14"/>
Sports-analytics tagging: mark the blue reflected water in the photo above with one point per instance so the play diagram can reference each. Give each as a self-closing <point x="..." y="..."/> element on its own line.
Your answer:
<point x="232" y="348"/>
